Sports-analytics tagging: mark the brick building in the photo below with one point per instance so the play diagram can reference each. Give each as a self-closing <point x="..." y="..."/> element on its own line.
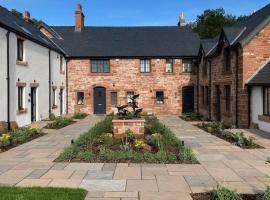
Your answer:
<point x="227" y="62"/>
<point x="106" y="65"/>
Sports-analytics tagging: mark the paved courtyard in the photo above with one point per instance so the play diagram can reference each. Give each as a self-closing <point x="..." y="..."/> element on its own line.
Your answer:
<point x="31" y="164"/>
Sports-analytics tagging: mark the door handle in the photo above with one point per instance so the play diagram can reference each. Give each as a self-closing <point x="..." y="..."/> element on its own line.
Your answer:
<point x="100" y="104"/>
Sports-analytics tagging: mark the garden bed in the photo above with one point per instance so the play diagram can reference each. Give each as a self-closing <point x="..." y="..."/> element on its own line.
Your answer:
<point x="59" y="122"/>
<point x="191" y="117"/>
<point x="20" y="136"/>
<point x="219" y="130"/>
<point x="159" y="145"/>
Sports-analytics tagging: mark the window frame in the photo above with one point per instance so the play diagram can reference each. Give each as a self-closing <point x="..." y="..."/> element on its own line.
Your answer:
<point x="102" y="63"/>
<point x="61" y="64"/>
<point x="114" y="99"/>
<point x="54" y="97"/>
<point x="205" y="67"/>
<point x="266" y="101"/>
<point x="20" y="98"/>
<point x="227" y="93"/>
<point x="158" y="101"/>
<point x="144" y="67"/>
<point x="20" y="49"/>
<point x="166" y="66"/>
<point x="83" y="100"/>
<point x="184" y="67"/>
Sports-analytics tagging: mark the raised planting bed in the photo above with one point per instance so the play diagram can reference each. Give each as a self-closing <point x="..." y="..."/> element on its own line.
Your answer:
<point x="59" y="122"/>
<point x="158" y="145"/>
<point x="238" y="139"/>
<point x="221" y="193"/>
<point x="17" y="137"/>
<point x="37" y="193"/>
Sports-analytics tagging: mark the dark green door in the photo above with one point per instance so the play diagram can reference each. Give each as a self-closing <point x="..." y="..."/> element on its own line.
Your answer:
<point x="99" y="100"/>
<point x="188" y="99"/>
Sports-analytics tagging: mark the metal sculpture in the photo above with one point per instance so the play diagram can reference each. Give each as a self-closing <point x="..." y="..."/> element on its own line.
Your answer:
<point x="124" y="113"/>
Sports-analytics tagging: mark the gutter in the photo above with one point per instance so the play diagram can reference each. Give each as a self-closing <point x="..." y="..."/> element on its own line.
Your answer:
<point x="8" y="83"/>
<point x="50" y="84"/>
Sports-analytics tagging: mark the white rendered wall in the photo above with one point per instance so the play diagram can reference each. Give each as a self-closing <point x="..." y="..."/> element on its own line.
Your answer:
<point x="3" y="75"/>
<point x="257" y="108"/>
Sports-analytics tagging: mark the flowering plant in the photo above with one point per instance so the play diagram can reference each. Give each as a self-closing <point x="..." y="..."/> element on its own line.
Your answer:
<point x="5" y="140"/>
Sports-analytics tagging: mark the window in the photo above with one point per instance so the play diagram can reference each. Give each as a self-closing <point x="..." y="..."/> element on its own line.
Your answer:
<point x="100" y="66"/>
<point x="54" y="97"/>
<point x="160" y="97"/>
<point x="266" y="100"/>
<point x="187" y="65"/>
<point x="227" y="59"/>
<point x="169" y="65"/>
<point x="202" y="95"/>
<point x="114" y="98"/>
<point x="20" y="98"/>
<point x="206" y="93"/>
<point x="19" y="49"/>
<point x="80" y="98"/>
<point x="228" y="97"/>
<point x="61" y="63"/>
<point x="130" y="94"/>
<point x="145" y="66"/>
<point x="205" y="67"/>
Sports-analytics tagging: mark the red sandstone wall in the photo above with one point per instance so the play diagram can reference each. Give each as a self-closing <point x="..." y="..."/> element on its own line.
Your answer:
<point x="125" y="76"/>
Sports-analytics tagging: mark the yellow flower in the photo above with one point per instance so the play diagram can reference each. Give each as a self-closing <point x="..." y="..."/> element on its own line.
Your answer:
<point x="5" y="137"/>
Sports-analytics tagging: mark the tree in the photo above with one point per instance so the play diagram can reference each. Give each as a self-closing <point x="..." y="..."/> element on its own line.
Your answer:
<point x="210" y="23"/>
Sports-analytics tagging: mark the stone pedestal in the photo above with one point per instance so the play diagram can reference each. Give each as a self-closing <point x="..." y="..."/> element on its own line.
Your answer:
<point x="120" y="126"/>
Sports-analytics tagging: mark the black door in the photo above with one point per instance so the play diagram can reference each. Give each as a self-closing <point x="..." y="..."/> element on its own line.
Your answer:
<point x="188" y="99"/>
<point x="218" y="92"/>
<point x="99" y="100"/>
<point x="61" y="101"/>
<point x="33" y="104"/>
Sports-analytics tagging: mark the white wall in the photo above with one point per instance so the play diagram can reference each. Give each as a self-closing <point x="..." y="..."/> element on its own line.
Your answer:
<point x="3" y="75"/>
<point x="257" y="108"/>
<point x="37" y="71"/>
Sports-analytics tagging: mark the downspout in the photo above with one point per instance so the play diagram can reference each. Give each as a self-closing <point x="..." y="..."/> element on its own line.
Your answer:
<point x="249" y="100"/>
<point x="50" y="84"/>
<point x="66" y="87"/>
<point x="236" y="88"/>
<point x="8" y="84"/>
<point x="198" y="81"/>
<point x="210" y="89"/>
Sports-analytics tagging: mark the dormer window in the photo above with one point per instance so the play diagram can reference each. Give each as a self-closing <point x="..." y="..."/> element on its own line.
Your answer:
<point x="19" y="49"/>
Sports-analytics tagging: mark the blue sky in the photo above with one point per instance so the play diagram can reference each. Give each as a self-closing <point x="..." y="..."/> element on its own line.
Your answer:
<point x="128" y="12"/>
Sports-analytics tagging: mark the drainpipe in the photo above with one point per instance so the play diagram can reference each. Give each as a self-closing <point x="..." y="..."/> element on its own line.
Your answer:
<point x="249" y="100"/>
<point x="198" y="81"/>
<point x="66" y="87"/>
<point x="210" y="89"/>
<point x="236" y="88"/>
<point x="50" y="84"/>
<point x="8" y="83"/>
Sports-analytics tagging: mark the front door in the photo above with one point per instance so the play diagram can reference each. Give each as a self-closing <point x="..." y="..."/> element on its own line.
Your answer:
<point x="61" y="101"/>
<point x="99" y="100"/>
<point x="33" y="104"/>
<point x="188" y="99"/>
<point x="218" y="92"/>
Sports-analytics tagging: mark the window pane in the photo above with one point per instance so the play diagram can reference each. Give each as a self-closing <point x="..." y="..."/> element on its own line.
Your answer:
<point x="169" y="65"/>
<point x="80" y="98"/>
<point x="100" y="66"/>
<point x="187" y="65"/>
<point x="19" y="49"/>
<point x="129" y="96"/>
<point x="114" y="98"/>
<point x="20" y="98"/>
<point x="145" y="66"/>
<point x="160" y="97"/>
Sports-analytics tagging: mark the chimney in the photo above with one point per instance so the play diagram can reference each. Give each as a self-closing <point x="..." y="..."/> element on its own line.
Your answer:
<point x="79" y="18"/>
<point x="182" y="21"/>
<point x="26" y="16"/>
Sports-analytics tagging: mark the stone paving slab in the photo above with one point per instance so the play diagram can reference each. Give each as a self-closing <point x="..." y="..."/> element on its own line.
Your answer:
<point x="104" y="185"/>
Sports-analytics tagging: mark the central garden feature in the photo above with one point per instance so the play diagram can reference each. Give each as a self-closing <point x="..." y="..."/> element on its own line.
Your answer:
<point x="157" y="145"/>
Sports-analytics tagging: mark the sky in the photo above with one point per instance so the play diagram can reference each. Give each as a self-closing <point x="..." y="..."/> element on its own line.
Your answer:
<point x="128" y="12"/>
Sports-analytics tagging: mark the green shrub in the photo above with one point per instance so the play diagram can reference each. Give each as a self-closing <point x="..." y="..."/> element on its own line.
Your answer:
<point x="69" y="153"/>
<point x="158" y="141"/>
<point x="20" y="136"/>
<point x="187" y="155"/>
<point x="138" y="144"/>
<point x="52" y="117"/>
<point x="85" y="156"/>
<point x="106" y="139"/>
<point x="222" y="193"/>
<point x="149" y="157"/>
<point x="59" y="122"/>
<point x="5" y="140"/>
<point x="266" y="195"/>
<point x="79" y="115"/>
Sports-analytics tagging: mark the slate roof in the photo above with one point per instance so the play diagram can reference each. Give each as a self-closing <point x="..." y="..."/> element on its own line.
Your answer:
<point x="209" y="45"/>
<point x="97" y="42"/>
<point x="262" y="77"/>
<point x="17" y="25"/>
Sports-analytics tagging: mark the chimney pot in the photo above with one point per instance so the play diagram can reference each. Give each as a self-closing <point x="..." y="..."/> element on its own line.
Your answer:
<point x="79" y="18"/>
<point x="26" y="16"/>
<point x="182" y="21"/>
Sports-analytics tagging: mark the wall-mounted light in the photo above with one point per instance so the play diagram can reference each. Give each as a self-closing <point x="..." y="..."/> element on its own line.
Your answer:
<point x="158" y="60"/>
<point x="117" y="60"/>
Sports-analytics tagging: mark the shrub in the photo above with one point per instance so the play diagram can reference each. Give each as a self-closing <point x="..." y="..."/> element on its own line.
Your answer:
<point x="187" y="155"/>
<point x="85" y="156"/>
<point x="79" y="115"/>
<point x="106" y="138"/>
<point x="20" y="136"/>
<point x="69" y="153"/>
<point x="52" y="117"/>
<point x="59" y="122"/>
<point x="5" y="140"/>
<point x="158" y="141"/>
<point x="221" y="193"/>
<point x="266" y="195"/>
<point x="138" y="144"/>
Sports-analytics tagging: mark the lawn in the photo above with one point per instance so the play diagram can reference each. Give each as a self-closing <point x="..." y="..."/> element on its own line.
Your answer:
<point x="36" y="193"/>
<point x="159" y="145"/>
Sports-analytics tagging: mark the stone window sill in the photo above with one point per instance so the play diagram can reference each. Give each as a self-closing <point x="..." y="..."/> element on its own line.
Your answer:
<point x="100" y="74"/>
<point x="22" y="63"/>
<point x="264" y="118"/>
<point x="21" y="111"/>
<point x="168" y="73"/>
<point x="185" y="73"/>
